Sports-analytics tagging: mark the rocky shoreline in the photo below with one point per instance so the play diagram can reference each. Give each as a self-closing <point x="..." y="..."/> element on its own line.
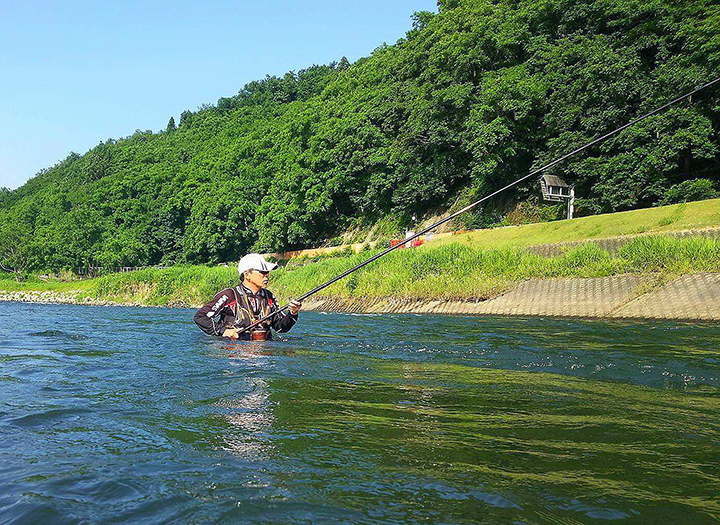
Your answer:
<point x="630" y="296"/>
<point x="51" y="297"/>
<point x="75" y="297"/>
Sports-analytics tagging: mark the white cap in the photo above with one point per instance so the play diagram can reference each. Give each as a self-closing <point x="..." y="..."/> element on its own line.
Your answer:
<point x="255" y="261"/>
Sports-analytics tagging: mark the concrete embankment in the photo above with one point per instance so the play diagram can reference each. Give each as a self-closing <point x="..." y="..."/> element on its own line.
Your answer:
<point x="690" y="297"/>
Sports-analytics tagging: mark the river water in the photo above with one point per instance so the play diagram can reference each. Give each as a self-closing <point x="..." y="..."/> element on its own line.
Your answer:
<point x="115" y="415"/>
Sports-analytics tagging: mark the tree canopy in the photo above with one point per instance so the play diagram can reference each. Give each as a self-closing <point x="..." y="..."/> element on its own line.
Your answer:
<point x="473" y="97"/>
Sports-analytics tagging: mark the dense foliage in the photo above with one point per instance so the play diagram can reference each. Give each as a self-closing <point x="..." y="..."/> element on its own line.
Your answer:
<point x="470" y="99"/>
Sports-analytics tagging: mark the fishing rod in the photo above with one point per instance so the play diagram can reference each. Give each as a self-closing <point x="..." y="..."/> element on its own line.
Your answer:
<point x="471" y="206"/>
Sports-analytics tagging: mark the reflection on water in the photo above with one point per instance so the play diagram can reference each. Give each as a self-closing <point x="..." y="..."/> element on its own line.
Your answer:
<point x="356" y="419"/>
<point x="252" y="349"/>
<point x="251" y="420"/>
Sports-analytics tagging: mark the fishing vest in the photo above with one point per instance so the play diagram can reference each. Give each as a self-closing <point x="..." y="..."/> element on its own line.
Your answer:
<point x="248" y="309"/>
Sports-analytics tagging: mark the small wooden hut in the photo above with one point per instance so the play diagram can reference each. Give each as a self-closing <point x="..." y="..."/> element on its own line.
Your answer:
<point x="555" y="189"/>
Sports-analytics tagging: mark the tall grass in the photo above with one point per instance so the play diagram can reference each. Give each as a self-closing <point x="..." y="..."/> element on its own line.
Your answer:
<point x="8" y="283"/>
<point x="177" y="285"/>
<point x="667" y="254"/>
<point x="450" y="271"/>
<point x="456" y="271"/>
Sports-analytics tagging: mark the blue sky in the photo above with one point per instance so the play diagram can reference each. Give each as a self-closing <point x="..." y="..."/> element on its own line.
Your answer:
<point x="73" y="73"/>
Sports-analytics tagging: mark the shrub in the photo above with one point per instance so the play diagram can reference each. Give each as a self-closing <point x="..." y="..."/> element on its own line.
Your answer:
<point x="689" y="191"/>
<point x="529" y="212"/>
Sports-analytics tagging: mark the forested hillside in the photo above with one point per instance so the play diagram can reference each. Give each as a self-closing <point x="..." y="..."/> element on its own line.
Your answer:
<point x="470" y="99"/>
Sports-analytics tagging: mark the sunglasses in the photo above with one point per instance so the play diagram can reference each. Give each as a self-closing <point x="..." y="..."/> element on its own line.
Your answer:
<point x="264" y="272"/>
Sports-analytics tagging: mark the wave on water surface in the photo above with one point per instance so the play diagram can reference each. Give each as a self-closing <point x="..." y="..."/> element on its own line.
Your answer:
<point x="60" y="334"/>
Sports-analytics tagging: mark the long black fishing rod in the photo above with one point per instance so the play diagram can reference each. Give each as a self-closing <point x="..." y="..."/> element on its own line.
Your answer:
<point x="471" y="206"/>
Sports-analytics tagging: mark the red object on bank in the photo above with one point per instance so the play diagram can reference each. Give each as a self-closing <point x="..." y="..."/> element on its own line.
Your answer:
<point x="412" y="244"/>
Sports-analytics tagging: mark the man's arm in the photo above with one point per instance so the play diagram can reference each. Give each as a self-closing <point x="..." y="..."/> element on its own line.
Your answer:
<point x="208" y="318"/>
<point x="285" y="320"/>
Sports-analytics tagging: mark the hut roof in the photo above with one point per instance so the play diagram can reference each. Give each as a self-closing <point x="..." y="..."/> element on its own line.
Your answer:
<point x="552" y="180"/>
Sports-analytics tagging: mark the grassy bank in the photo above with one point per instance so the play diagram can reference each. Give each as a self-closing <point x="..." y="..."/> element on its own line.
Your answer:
<point x="448" y="271"/>
<point x="457" y="271"/>
<point x="687" y="216"/>
<point x="156" y="287"/>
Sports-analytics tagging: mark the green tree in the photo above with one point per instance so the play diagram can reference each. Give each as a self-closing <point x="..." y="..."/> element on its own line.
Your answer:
<point x="471" y="98"/>
<point x="15" y="249"/>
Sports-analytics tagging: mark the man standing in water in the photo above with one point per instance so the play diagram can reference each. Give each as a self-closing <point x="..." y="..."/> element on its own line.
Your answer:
<point x="235" y="308"/>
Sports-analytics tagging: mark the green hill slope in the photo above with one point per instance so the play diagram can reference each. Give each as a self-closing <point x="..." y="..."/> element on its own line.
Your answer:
<point x="471" y="98"/>
<point x="663" y="219"/>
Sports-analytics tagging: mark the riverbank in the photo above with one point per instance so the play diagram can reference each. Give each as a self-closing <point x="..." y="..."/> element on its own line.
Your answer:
<point x="659" y="277"/>
<point x="649" y="296"/>
<point x="52" y="297"/>
<point x="690" y="298"/>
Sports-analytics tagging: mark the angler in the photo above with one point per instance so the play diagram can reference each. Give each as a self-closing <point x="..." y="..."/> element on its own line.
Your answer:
<point x="244" y="312"/>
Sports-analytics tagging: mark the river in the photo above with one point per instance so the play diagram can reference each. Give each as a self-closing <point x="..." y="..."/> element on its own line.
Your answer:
<point x="126" y="415"/>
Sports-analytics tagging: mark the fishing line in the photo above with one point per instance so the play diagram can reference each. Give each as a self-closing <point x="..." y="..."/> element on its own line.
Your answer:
<point x="471" y="206"/>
